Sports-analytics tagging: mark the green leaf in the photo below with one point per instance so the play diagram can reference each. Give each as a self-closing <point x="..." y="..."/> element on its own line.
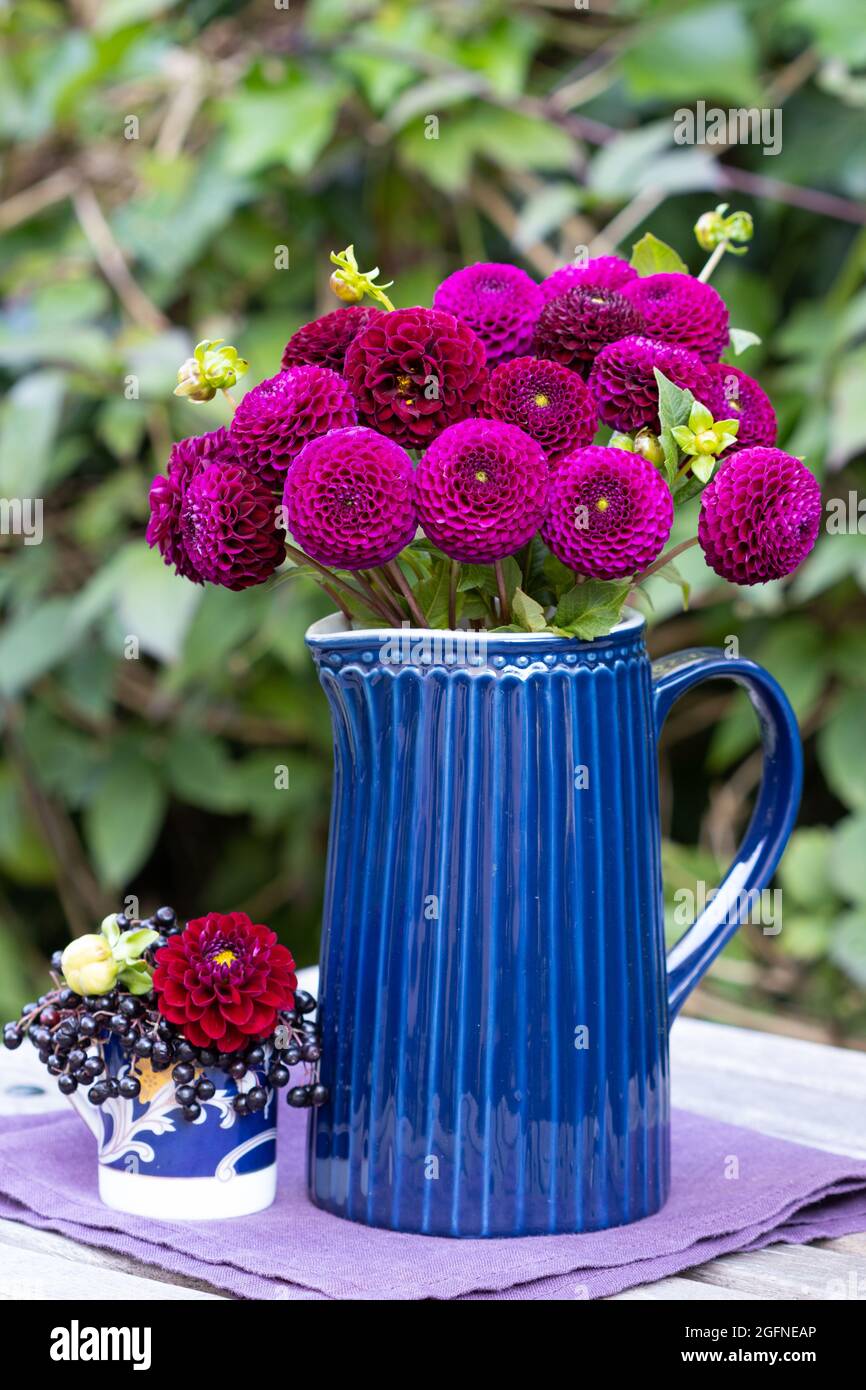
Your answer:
<point x="137" y="978"/>
<point x="803" y="872"/>
<point x="742" y="338"/>
<point x="847" y="857"/>
<point x="840" y="750"/>
<point x="705" y="51"/>
<point x="36" y="642"/>
<point x="591" y="609"/>
<point x="133" y="944"/>
<point x="528" y="614"/>
<point x="123" y="819"/>
<point x="649" y="256"/>
<point x="432" y="594"/>
<point x="290" y="124"/>
<point x="848" y="946"/>
<point x="672" y="575"/>
<point x="28" y="428"/>
<point x="675" y="407"/>
<point x="558" y="575"/>
<point x="703" y="466"/>
<point x="110" y="930"/>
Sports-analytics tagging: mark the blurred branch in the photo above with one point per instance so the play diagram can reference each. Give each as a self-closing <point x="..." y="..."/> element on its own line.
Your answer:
<point x="498" y="209"/>
<point x="112" y="262"/>
<point x="36" y="198"/>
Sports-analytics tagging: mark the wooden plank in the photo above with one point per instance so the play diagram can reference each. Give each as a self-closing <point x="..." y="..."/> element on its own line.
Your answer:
<point x="853" y="1244"/>
<point x="16" y="1235"/>
<point x="683" y="1290"/>
<point x="801" y="1272"/>
<point x="34" y="1274"/>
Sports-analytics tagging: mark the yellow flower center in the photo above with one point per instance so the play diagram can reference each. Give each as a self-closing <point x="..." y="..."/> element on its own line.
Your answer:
<point x="481" y="476"/>
<point x="225" y="958"/>
<point x="541" y="399"/>
<point x="602" y="504"/>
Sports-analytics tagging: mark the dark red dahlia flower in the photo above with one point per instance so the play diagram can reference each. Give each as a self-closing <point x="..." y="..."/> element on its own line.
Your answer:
<point x="760" y="516"/>
<point x="323" y="342"/>
<point x="548" y="402"/>
<point x="574" y="327"/>
<point x="602" y="272"/>
<point x="349" y="499"/>
<point x="187" y="459"/>
<point x="229" y="527"/>
<point x="625" y="388"/>
<point x="736" y="396"/>
<point x="415" y="371"/>
<point x="276" y="418"/>
<point x="223" y="980"/>
<point x="610" y="512"/>
<point x="481" y="490"/>
<point x="499" y="301"/>
<point x="682" y="310"/>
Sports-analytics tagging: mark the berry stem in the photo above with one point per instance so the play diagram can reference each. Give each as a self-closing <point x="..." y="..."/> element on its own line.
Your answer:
<point x="504" y="605"/>
<point x="394" y="571"/>
<point x="453" y="580"/>
<point x="665" y="559"/>
<point x="713" y="262"/>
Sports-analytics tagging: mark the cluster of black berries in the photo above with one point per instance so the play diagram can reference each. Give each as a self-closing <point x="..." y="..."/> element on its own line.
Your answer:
<point x="70" y="1034"/>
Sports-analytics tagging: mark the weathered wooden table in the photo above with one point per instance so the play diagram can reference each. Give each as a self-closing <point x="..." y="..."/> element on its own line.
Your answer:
<point x="796" y="1090"/>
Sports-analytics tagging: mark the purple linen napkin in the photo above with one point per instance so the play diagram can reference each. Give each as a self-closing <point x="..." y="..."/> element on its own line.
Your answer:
<point x="782" y="1192"/>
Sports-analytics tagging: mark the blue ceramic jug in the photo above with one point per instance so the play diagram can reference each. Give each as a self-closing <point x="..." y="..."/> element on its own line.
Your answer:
<point x="494" y="992"/>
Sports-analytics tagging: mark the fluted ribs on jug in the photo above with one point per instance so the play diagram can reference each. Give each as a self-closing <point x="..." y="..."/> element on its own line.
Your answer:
<point x="492" y="988"/>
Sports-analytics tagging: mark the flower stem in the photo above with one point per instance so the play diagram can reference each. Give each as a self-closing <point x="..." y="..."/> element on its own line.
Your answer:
<point x="453" y="580"/>
<point x="394" y="571"/>
<point x="301" y="559"/>
<point x="378" y="600"/>
<point x="230" y="398"/>
<point x="713" y="262"/>
<point x="504" y="605"/>
<point x="666" y="559"/>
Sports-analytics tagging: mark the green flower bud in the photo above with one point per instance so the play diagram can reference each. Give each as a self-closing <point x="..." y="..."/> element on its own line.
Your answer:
<point x="713" y="229"/>
<point x="88" y="965"/>
<point x="350" y="284"/>
<point x="648" y="445"/>
<point x="621" y="441"/>
<point x="212" y="368"/>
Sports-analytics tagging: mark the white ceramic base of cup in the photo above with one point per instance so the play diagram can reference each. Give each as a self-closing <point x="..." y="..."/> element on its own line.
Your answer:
<point x="187" y="1199"/>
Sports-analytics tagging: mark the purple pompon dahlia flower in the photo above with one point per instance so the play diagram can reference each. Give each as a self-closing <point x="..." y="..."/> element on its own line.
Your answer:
<point x="500" y="302"/>
<point x="187" y="459"/>
<point x="609" y="514"/>
<point x="323" y="342"/>
<point x="415" y="371"/>
<point x="625" y="388"/>
<point x="275" y="419"/>
<point x="602" y="272"/>
<point x="481" y="490"/>
<point x="349" y="499"/>
<point x="682" y="310"/>
<point x="230" y="528"/>
<point x="573" y="328"/>
<point x="736" y="396"/>
<point x="547" y="401"/>
<point x="760" y="516"/>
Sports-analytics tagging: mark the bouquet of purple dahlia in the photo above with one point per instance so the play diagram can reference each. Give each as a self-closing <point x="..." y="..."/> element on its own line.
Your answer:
<point x="513" y="457"/>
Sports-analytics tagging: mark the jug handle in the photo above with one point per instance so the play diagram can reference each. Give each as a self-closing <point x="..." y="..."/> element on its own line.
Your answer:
<point x="772" y="820"/>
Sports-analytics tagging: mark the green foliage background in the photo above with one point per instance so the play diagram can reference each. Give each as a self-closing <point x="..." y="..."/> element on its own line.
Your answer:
<point x="156" y="158"/>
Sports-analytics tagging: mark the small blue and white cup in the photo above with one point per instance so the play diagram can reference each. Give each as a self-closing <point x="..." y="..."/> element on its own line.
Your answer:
<point x="155" y="1163"/>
